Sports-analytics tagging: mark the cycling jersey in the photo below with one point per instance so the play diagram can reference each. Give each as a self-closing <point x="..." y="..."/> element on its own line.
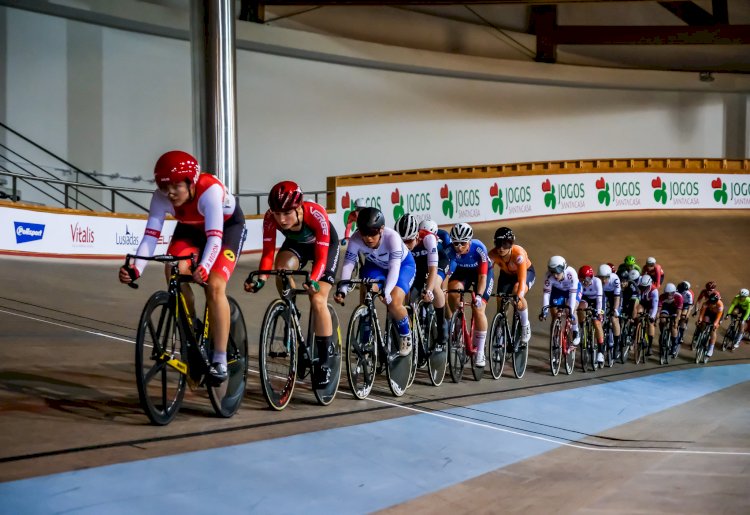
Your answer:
<point x="466" y="268"/>
<point x="389" y="255"/>
<point x="656" y="273"/>
<point x="569" y="283"/>
<point x="711" y="313"/>
<point x="670" y="305"/>
<point x="593" y="293"/>
<point x="315" y="235"/>
<point x="445" y="237"/>
<point x="210" y="212"/>
<point x="613" y="286"/>
<point x="741" y="303"/>
<point x="515" y="266"/>
<point x="427" y="253"/>
<point x="703" y="295"/>
<point x="688" y="298"/>
<point x="650" y="299"/>
<point x="623" y="266"/>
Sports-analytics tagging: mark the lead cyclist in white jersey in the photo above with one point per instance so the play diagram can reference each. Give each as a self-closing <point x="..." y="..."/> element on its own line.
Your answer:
<point x="561" y="284"/>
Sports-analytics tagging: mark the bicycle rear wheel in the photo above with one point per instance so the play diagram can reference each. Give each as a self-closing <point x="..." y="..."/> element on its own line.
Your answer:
<point x="496" y="347"/>
<point x="638" y="344"/>
<point x="325" y="394"/>
<point x="728" y="342"/>
<point x="555" y="347"/>
<point x="626" y="341"/>
<point x="521" y="353"/>
<point x="437" y="361"/>
<point x="160" y="349"/>
<point x="456" y="347"/>
<point x="664" y="345"/>
<point x="585" y="349"/>
<point x="415" y="345"/>
<point x="361" y="357"/>
<point x="227" y="397"/>
<point x="398" y="369"/>
<point x="277" y="355"/>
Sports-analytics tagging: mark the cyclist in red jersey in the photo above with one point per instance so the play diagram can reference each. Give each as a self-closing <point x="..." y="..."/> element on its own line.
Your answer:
<point x="703" y="296"/>
<point x="359" y="205"/>
<point x="309" y="237"/>
<point x="210" y="224"/>
<point x="655" y="270"/>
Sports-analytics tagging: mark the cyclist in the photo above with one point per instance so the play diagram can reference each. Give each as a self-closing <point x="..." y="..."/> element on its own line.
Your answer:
<point x="655" y="270"/>
<point x="687" y="301"/>
<point x="516" y="275"/>
<point x="711" y="312"/>
<point x="629" y="263"/>
<point x="309" y="236"/>
<point x="648" y="300"/>
<point x="432" y="263"/>
<point x="471" y="265"/>
<point x="612" y="288"/>
<point x="386" y="258"/>
<point x="740" y="307"/>
<point x="357" y="206"/>
<point x="703" y="296"/>
<point x="671" y="303"/>
<point x="593" y="295"/>
<point x="210" y="224"/>
<point x="561" y="280"/>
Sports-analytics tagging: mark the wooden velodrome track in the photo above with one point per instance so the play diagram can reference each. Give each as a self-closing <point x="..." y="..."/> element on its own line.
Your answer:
<point x="69" y="401"/>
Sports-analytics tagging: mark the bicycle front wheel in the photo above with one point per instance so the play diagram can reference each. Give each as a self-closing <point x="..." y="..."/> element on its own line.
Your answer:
<point x="626" y="340"/>
<point x="456" y="347"/>
<point x="277" y="355"/>
<point x="227" y="397"/>
<point x="361" y="358"/>
<point x="728" y="342"/>
<point x="496" y="347"/>
<point x="398" y="369"/>
<point x="555" y="347"/>
<point x="160" y="353"/>
<point x="325" y="394"/>
<point x="437" y="361"/>
<point x="521" y="353"/>
<point x="638" y="344"/>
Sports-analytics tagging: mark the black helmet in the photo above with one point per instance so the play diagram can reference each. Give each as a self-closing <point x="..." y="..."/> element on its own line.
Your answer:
<point x="504" y="234"/>
<point x="683" y="287"/>
<point x="370" y="220"/>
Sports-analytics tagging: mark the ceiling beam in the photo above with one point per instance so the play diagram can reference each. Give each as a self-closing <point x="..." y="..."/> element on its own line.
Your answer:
<point x="690" y="12"/>
<point x="651" y="35"/>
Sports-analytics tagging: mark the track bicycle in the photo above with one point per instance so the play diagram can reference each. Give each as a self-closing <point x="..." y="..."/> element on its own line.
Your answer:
<point x="560" y="338"/>
<point x="588" y="345"/>
<point x="427" y="350"/>
<point x="366" y="345"/>
<point x="627" y="336"/>
<point x="461" y="348"/>
<point x="641" y="342"/>
<point x="609" y="339"/>
<point x="285" y="356"/>
<point x="505" y="339"/>
<point x="733" y="332"/>
<point x="665" y="337"/>
<point x="702" y="342"/>
<point x="172" y="350"/>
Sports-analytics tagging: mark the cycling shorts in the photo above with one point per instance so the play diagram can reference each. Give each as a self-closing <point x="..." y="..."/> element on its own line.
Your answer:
<point x="305" y="252"/>
<point x="559" y="297"/>
<point x="189" y="239"/>
<point x="405" y="275"/>
<point x="421" y="274"/>
<point x="670" y="309"/>
<point x="506" y="282"/>
<point x="468" y="277"/>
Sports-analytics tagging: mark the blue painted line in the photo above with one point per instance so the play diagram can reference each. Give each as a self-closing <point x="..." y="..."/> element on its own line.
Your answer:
<point x="360" y="468"/>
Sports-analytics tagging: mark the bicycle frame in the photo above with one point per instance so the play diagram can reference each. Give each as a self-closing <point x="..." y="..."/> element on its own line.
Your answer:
<point x="467" y="331"/>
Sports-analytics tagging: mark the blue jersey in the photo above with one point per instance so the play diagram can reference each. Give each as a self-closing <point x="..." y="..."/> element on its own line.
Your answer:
<point x="475" y="259"/>
<point x="444" y="239"/>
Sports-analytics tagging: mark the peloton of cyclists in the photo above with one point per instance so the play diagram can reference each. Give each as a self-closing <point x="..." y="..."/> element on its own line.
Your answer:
<point x="210" y="224"/>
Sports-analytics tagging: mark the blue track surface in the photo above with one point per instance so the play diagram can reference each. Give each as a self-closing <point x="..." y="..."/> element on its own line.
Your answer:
<point x="365" y="467"/>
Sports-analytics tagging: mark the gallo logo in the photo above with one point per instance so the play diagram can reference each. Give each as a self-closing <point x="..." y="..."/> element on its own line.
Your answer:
<point x="415" y="203"/>
<point x="81" y="235"/>
<point x="515" y="199"/>
<point x="720" y="190"/>
<point x="346" y="204"/>
<point x="26" y="232"/>
<point x="737" y="192"/>
<point x="621" y="194"/>
<point x="567" y="195"/>
<point x="128" y="238"/>
<point x="466" y="202"/>
<point x="678" y="192"/>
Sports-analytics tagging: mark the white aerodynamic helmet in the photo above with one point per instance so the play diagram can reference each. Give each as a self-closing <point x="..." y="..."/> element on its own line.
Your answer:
<point x="670" y="288"/>
<point x="429" y="226"/>
<point x="645" y="281"/>
<point x="604" y="270"/>
<point x="557" y="264"/>
<point x="633" y="275"/>
<point x="651" y="260"/>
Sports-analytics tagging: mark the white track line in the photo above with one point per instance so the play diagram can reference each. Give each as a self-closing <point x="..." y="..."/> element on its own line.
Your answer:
<point x="450" y="417"/>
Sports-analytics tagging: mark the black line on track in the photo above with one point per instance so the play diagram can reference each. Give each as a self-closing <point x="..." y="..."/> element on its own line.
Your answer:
<point x="65" y="313"/>
<point x="63" y="321"/>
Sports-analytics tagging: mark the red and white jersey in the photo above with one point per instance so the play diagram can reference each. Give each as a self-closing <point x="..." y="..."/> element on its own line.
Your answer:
<point x="315" y="230"/>
<point x="651" y="298"/>
<point x="208" y="209"/>
<point x="688" y="298"/>
<point x="676" y="300"/>
<point x="613" y="285"/>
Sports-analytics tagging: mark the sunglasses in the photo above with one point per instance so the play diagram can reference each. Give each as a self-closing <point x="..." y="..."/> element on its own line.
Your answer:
<point x="557" y="270"/>
<point x="458" y="244"/>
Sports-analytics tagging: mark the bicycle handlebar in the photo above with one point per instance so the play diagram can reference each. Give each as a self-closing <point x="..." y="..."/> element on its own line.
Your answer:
<point x="369" y="283"/>
<point x="162" y="258"/>
<point x="281" y="273"/>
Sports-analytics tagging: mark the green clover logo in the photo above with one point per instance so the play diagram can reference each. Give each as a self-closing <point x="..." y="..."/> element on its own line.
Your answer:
<point x="549" y="198"/>
<point x="398" y="209"/>
<point x="660" y="195"/>
<point x="497" y="199"/>
<point x="720" y="194"/>
<point x="448" y="205"/>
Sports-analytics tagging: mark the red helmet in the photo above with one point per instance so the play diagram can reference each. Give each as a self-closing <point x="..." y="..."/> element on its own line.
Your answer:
<point x="285" y="196"/>
<point x="174" y="167"/>
<point x="613" y="267"/>
<point x="710" y="285"/>
<point x="585" y="272"/>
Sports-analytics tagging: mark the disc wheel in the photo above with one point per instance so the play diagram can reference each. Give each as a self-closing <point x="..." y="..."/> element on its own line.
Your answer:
<point x="398" y="369"/>
<point x="521" y="353"/>
<point x="496" y="347"/>
<point x="277" y="355"/>
<point x="159" y="349"/>
<point x="227" y="397"/>
<point x="437" y="362"/>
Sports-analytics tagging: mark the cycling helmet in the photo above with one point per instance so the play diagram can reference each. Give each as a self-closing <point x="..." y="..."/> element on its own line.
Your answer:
<point x="710" y="285"/>
<point x="285" y="196"/>
<point x="462" y="233"/>
<point x="645" y="281"/>
<point x="624" y="275"/>
<point x="174" y="167"/>
<point x="428" y="226"/>
<point x="670" y="288"/>
<point x="683" y="287"/>
<point x="504" y="234"/>
<point x="369" y="221"/>
<point x="605" y="270"/>
<point x="585" y="272"/>
<point x="744" y="292"/>
<point x="651" y="260"/>
<point x="714" y="297"/>
<point x="633" y="275"/>
<point x="359" y="204"/>
<point x="557" y="264"/>
<point x="407" y="227"/>
<point x="629" y="260"/>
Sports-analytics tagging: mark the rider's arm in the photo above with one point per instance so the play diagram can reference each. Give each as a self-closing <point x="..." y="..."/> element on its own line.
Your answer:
<point x="483" y="268"/>
<point x="703" y="312"/>
<point x="571" y="276"/>
<point x="732" y="306"/>
<point x="522" y="263"/>
<point x="396" y="249"/>
<point x="157" y="212"/>
<point x="546" y="291"/>
<point x="430" y="245"/>
<point x="720" y="311"/>
<point x="210" y="205"/>
<point x="349" y="224"/>
<point x="617" y="293"/>
<point x="654" y="294"/>
<point x="746" y="307"/>
<point x="317" y="219"/>
<point x="269" y="243"/>
<point x="657" y="275"/>
<point x="599" y="294"/>
<point x="351" y="256"/>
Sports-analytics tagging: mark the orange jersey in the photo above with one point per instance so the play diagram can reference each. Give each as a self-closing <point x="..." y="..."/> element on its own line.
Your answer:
<point x="712" y="309"/>
<point x="510" y="264"/>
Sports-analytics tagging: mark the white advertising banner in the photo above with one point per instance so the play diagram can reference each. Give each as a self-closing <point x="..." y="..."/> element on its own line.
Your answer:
<point x="492" y="199"/>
